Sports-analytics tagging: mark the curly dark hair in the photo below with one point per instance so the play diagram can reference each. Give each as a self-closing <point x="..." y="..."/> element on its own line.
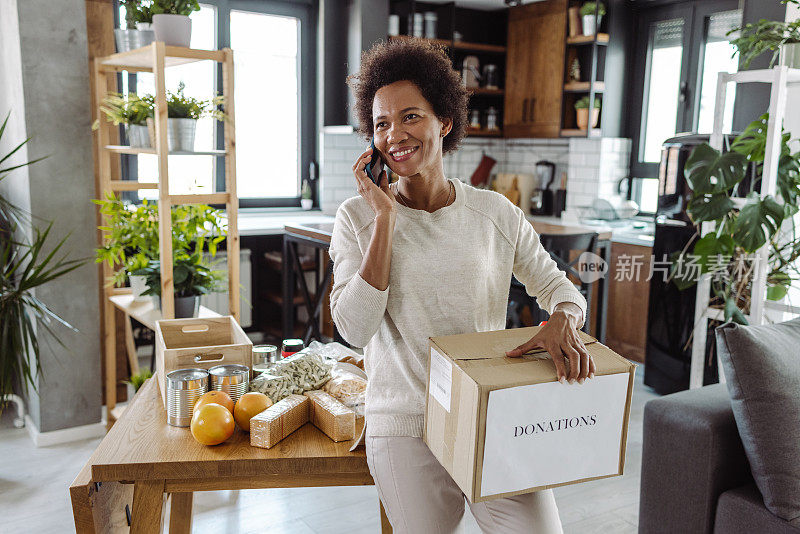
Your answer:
<point x="425" y="65"/>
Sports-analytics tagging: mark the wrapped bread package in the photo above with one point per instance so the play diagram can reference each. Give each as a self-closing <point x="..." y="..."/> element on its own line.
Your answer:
<point x="278" y="421"/>
<point x="335" y="419"/>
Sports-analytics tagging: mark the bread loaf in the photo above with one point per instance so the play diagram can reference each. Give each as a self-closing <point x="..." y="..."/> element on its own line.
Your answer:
<point x="278" y="421"/>
<point x="335" y="419"/>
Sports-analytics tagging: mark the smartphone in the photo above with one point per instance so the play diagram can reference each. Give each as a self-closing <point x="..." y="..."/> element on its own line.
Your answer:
<point x="375" y="166"/>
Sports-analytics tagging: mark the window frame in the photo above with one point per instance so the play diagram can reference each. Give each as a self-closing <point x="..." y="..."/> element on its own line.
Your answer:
<point x="306" y="11"/>
<point x="694" y="15"/>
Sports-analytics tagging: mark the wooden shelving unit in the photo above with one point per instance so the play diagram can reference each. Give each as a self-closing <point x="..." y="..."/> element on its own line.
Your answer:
<point x="584" y="87"/>
<point x="600" y="38"/>
<point x="156" y="58"/>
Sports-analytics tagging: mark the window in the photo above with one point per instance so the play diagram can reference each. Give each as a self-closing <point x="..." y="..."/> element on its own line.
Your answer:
<point x="274" y="96"/>
<point x="685" y="47"/>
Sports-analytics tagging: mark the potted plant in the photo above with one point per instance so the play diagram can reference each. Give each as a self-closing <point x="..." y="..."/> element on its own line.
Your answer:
<point x="728" y="253"/>
<point x="782" y="38"/>
<point x="191" y="279"/>
<point x="136" y="380"/>
<point x="171" y="21"/>
<point x="182" y="115"/>
<point x="139" y="32"/>
<point x="591" y="16"/>
<point x="25" y="264"/>
<point x="131" y="237"/>
<point x="132" y="112"/>
<point x="306" y="200"/>
<point x="582" y="112"/>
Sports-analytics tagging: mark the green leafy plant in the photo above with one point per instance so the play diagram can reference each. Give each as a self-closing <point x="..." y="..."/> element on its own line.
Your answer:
<point x="137" y="379"/>
<point x="130" y="235"/>
<point x="137" y="11"/>
<point x="583" y="103"/>
<point x="190" y="276"/>
<point x="25" y="264"/>
<point x="121" y="110"/>
<point x="180" y="106"/>
<point x="174" y="7"/>
<point x="589" y="8"/>
<point x="727" y="253"/>
<point x="752" y="40"/>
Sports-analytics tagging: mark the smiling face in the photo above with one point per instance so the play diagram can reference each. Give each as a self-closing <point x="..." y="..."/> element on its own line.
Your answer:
<point x="408" y="134"/>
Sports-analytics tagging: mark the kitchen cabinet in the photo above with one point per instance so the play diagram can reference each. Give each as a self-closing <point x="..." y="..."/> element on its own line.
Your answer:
<point x="534" y="76"/>
<point x="626" y="329"/>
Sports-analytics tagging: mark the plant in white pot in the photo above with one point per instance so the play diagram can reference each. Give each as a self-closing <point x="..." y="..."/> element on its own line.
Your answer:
<point x="191" y="279"/>
<point x="591" y="16"/>
<point x="139" y="32"/>
<point x="306" y="196"/>
<point x="132" y="112"/>
<point x="582" y="112"/>
<point x="182" y="115"/>
<point x="171" y="21"/>
<point x="781" y="38"/>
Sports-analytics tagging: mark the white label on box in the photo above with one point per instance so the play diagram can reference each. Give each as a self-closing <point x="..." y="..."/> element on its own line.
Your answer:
<point x="551" y="433"/>
<point x="441" y="379"/>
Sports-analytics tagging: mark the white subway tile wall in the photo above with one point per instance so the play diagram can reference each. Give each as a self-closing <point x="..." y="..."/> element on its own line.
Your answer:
<point x="593" y="166"/>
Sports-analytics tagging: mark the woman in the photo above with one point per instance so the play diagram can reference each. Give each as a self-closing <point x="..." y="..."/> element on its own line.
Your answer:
<point x="427" y="256"/>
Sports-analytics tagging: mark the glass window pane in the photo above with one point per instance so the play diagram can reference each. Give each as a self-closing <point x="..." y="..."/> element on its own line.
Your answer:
<point x="187" y="174"/>
<point x="719" y="56"/>
<point x="661" y="100"/>
<point x="266" y="49"/>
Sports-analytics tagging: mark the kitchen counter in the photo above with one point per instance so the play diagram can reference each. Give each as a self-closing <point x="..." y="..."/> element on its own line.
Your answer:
<point x="630" y="231"/>
<point x="271" y="222"/>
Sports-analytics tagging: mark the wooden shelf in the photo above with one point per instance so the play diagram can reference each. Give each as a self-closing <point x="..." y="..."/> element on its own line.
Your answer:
<point x="131" y="185"/>
<point x="124" y="149"/>
<point x="457" y="45"/>
<point x="487" y="92"/>
<point x="143" y="59"/>
<point x="602" y="39"/>
<point x="145" y="312"/>
<point x="275" y="259"/>
<point x="583" y="87"/>
<point x="278" y="298"/>
<point x="475" y="132"/>
<point x="575" y="132"/>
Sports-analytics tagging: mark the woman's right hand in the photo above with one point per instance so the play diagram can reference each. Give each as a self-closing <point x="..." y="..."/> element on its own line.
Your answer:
<point x="380" y="199"/>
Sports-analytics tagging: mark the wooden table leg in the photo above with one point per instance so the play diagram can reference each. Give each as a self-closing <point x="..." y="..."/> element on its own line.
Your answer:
<point x="130" y="347"/>
<point x="386" y="527"/>
<point x="180" y="513"/>
<point x="148" y="503"/>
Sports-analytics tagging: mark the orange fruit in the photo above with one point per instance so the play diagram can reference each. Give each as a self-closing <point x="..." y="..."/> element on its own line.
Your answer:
<point x="212" y="424"/>
<point x="217" y="397"/>
<point x="249" y="405"/>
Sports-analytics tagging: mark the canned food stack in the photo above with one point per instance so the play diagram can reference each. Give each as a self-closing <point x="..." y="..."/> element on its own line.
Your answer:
<point x="184" y="387"/>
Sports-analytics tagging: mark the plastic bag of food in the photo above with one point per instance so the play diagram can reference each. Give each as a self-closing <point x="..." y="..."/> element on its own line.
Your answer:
<point x="275" y="387"/>
<point x="347" y="387"/>
<point x="336" y="352"/>
<point x="305" y="369"/>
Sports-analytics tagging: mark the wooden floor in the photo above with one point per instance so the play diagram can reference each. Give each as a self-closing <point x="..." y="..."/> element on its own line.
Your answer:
<point x="34" y="495"/>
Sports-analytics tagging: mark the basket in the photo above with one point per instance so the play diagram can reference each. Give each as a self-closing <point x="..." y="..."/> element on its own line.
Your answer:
<point x="199" y="343"/>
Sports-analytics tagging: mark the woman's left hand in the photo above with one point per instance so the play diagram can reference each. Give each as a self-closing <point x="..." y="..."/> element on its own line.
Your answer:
<point x="560" y="338"/>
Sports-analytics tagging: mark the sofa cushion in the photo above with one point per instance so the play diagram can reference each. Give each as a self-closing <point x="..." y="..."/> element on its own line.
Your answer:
<point x="741" y="511"/>
<point x="762" y="367"/>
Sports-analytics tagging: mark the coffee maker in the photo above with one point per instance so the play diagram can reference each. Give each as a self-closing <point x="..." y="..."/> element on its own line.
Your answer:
<point x="542" y="198"/>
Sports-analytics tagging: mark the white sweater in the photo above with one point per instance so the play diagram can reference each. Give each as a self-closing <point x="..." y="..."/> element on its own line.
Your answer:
<point x="450" y="274"/>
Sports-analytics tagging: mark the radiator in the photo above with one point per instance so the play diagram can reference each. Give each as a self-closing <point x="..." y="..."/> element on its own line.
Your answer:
<point x="218" y="302"/>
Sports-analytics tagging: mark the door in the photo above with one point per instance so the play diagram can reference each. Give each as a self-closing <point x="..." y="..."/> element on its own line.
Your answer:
<point x="534" y="77"/>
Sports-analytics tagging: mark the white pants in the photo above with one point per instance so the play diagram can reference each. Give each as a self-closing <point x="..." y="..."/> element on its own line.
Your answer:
<point x="420" y="497"/>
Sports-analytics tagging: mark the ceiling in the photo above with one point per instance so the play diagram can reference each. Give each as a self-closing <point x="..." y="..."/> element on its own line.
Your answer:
<point x="480" y="4"/>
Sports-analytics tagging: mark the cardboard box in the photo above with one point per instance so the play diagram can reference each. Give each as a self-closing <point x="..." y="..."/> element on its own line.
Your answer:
<point x="504" y="426"/>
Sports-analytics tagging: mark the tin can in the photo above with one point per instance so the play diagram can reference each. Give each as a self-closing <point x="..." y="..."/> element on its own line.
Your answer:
<point x="184" y="387"/>
<point x="263" y="355"/>
<point x="290" y="346"/>
<point x="233" y="379"/>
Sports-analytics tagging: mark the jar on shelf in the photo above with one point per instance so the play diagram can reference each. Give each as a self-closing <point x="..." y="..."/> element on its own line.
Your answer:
<point x="431" y="18"/>
<point x="475" y="119"/>
<point x="490" y="76"/>
<point x="491" y="119"/>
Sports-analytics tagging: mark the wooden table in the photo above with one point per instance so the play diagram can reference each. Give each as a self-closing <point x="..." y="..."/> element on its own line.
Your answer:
<point x="318" y="236"/>
<point x="142" y="458"/>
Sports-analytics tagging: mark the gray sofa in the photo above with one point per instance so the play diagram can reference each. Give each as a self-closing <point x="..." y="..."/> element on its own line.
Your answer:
<point x="695" y="475"/>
